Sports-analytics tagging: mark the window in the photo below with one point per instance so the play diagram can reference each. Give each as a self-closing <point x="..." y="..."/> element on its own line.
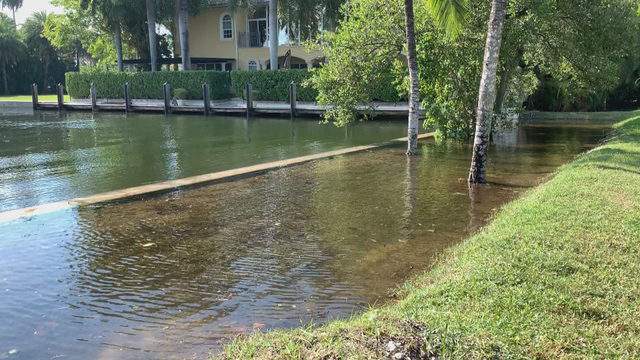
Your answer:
<point x="226" y="27"/>
<point x="253" y="65"/>
<point x="258" y="27"/>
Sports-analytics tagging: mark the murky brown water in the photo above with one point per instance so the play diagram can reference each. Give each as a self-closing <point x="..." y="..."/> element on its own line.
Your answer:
<point x="175" y="276"/>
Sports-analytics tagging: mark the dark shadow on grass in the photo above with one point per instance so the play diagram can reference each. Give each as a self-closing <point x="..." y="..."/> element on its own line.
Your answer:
<point x="612" y="159"/>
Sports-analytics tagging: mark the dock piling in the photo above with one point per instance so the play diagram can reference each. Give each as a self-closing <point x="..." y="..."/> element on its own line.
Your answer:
<point x="94" y="97"/>
<point x="206" y="99"/>
<point x="293" y="98"/>
<point x="167" y="98"/>
<point x="249" y="96"/>
<point x="34" y="96"/>
<point x="127" y="98"/>
<point x="60" y="97"/>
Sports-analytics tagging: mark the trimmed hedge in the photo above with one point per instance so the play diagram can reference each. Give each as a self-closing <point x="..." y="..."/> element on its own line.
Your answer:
<point x="267" y="85"/>
<point x="272" y="85"/>
<point x="148" y="85"/>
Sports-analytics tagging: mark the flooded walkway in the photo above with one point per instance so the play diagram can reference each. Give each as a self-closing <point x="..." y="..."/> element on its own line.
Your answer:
<point x="175" y="276"/>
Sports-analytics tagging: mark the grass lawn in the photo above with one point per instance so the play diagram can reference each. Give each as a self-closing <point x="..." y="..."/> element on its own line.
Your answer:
<point x="27" y="98"/>
<point x="554" y="276"/>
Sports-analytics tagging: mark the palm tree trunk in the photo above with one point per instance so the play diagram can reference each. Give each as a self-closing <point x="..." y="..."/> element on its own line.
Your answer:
<point x="5" y="81"/>
<point x="183" y="23"/>
<point x="414" y="82"/>
<point x="174" y="31"/>
<point x="15" y="23"/>
<point x="118" y="40"/>
<point x="487" y="93"/>
<point x="273" y="34"/>
<point x="151" y="28"/>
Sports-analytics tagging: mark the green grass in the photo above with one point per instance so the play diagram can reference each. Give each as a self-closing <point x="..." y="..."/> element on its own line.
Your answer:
<point x="27" y="98"/>
<point x="554" y="276"/>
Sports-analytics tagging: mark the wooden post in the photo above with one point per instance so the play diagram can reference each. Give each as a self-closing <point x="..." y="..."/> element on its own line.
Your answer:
<point x="127" y="98"/>
<point x="167" y="98"/>
<point x="94" y="97"/>
<point x="60" y="97"/>
<point x="293" y="98"/>
<point x="34" y="96"/>
<point x="249" y="95"/>
<point x="206" y="99"/>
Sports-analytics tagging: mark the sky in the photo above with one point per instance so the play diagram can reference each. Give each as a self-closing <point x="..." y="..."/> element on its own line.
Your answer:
<point x="31" y="6"/>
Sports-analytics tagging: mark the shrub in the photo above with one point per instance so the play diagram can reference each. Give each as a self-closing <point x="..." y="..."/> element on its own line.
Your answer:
<point x="273" y="85"/>
<point x="148" y="85"/>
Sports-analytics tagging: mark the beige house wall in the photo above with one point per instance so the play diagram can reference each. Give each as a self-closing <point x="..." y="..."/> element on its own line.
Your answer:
<point x="205" y="41"/>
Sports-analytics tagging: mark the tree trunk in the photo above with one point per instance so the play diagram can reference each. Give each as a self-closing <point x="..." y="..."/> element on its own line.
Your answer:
<point x="77" y="57"/>
<point x="487" y="93"/>
<point x="118" y="40"/>
<point x="174" y="31"/>
<point x="505" y="79"/>
<point x="151" y="28"/>
<point x="45" y="68"/>
<point x="414" y="82"/>
<point x="15" y="23"/>
<point x="183" y="24"/>
<point x="503" y="87"/>
<point x="273" y="34"/>
<point x="5" y="81"/>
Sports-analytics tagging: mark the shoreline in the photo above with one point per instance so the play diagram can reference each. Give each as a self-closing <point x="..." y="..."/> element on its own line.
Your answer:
<point x="552" y="276"/>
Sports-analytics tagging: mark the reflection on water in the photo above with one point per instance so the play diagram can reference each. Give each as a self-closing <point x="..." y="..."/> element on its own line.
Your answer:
<point x="48" y="157"/>
<point x="173" y="276"/>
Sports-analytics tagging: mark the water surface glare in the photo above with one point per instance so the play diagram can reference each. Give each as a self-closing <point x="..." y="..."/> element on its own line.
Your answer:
<point x="48" y="157"/>
<point x="175" y="276"/>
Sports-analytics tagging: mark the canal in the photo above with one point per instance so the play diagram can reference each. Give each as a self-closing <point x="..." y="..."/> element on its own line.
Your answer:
<point x="49" y="157"/>
<point x="177" y="275"/>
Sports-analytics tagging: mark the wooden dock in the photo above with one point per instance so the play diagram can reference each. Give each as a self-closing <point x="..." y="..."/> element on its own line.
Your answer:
<point x="230" y="107"/>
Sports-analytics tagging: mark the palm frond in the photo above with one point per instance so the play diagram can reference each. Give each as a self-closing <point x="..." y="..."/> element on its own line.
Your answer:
<point x="449" y="15"/>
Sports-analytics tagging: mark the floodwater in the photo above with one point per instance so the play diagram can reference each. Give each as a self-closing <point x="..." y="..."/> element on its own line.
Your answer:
<point x="49" y="157"/>
<point x="175" y="276"/>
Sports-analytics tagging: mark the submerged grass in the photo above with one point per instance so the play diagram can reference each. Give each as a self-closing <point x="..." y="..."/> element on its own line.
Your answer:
<point x="555" y="275"/>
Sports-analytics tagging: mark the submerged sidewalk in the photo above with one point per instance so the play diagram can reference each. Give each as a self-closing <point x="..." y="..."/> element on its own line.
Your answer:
<point x="553" y="276"/>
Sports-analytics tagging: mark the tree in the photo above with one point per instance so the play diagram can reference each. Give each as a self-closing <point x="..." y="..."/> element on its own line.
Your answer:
<point x="373" y="45"/>
<point x="274" y="29"/>
<point x="9" y="49"/>
<point x="487" y="93"/>
<point x="151" y="29"/>
<point x="183" y="25"/>
<point x="37" y="44"/>
<point x="414" y="82"/>
<point x="68" y="33"/>
<point x="13" y="5"/>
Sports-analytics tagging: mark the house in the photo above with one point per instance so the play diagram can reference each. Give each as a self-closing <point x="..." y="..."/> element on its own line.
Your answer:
<point x="222" y="38"/>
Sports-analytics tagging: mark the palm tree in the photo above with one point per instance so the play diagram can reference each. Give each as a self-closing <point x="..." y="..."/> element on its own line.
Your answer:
<point x="13" y="5"/>
<point x="449" y="15"/>
<point x="273" y="34"/>
<point x="183" y="25"/>
<point x="487" y="93"/>
<point x="414" y="82"/>
<point x="151" y="28"/>
<point x="9" y="49"/>
<point x="40" y="47"/>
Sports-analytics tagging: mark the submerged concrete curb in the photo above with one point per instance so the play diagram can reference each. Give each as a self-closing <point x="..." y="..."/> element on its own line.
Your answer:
<point x="170" y="185"/>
